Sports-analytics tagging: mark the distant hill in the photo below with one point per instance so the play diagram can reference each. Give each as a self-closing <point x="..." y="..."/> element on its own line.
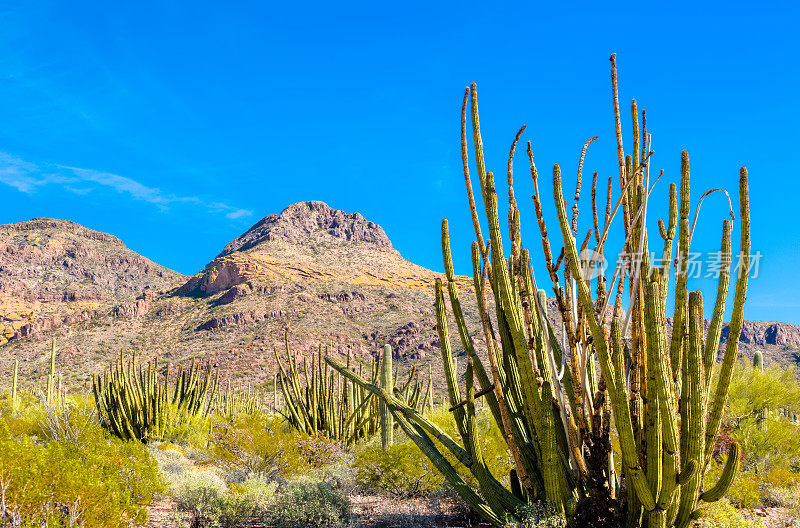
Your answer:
<point x="330" y="277"/>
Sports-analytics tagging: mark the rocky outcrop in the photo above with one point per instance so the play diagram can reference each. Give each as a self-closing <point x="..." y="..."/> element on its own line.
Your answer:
<point x="240" y="319"/>
<point x="342" y="297"/>
<point x="136" y="309"/>
<point x="312" y="223"/>
<point x="411" y="341"/>
<point x="237" y="292"/>
<point x="54" y="321"/>
<point x="767" y="333"/>
<point x="221" y="274"/>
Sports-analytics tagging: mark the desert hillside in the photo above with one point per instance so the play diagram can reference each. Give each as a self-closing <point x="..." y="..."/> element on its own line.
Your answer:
<point x="327" y="276"/>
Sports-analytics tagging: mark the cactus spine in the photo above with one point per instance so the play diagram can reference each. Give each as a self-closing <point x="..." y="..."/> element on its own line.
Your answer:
<point x="387" y="422"/>
<point x="758" y="360"/>
<point x="556" y="417"/>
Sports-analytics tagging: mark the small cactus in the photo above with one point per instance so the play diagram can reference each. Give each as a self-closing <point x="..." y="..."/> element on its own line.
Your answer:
<point x="15" y="399"/>
<point x="758" y="360"/>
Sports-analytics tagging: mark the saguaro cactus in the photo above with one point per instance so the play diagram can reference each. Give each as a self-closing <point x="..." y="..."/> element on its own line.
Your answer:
<point x="15" y="399"/>
<point x="553" y="406"/>
<point x="387" y="422"/>
<point x="758" y="360"/>
<point x="51" y="377"/>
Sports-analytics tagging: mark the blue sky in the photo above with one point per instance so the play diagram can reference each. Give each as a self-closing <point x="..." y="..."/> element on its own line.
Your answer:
<point x="176" y="127"/>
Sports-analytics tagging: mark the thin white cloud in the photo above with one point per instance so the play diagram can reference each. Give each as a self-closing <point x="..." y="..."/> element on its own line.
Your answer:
<point x="239" y="213"/>
<point x="27" y="177"/>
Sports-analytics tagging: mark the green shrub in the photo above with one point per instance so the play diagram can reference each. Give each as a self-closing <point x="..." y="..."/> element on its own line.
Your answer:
<point x="539" y="515"/>
<point x="722" y="514"/>
<point x="95" y="481"/>
<point x="258" y="445"/>
<point x="401" y="471"/>
<point x="308" y="504"/>
<point x="199" y="493"/>
<point x="405" y="472"/>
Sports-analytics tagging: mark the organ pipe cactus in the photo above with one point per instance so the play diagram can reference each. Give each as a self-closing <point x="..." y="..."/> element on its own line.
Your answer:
<point x="317" y="401"/>
<point x="553" y="405"/>
<point x="135" y="403"/>
<point x="231" y="404"/>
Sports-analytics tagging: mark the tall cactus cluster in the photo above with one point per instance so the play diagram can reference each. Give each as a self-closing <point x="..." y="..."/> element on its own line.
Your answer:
<point x="317" y="401"/>
<point x="138" y="403"/>
<point x="232" y="404"/>
<point x="553" y="405"/>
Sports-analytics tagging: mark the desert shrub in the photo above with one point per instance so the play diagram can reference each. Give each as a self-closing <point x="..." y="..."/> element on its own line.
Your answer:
<point x="401" y="472"/>
<point x="405" y="472"/>
<point x="783" y="497"/>
<point x="246" y="501"/>
<point x="309" y="504"/>
<point x="753" y="417"/>
<point x="757" y="416"/>
<point x="201" y="494"/>
<point x="746" y="490"/>
<point x="96" y="481"/>
<point x="257" y="445"/>
<point x="722" y="514"/>
<point x="539" y="515"/>
<point x="67" y="419"/>
<point x="751" y="390"/>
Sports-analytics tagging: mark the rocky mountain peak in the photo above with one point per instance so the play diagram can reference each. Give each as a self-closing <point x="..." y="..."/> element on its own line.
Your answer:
<point x="312" y="223"/>
<point x="64" y="226"/>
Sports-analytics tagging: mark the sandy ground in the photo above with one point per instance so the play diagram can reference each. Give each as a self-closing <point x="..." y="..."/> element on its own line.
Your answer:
<point x="367" y="511"/>
<point x="773" y="517"/>
<point x="374" y="511"/>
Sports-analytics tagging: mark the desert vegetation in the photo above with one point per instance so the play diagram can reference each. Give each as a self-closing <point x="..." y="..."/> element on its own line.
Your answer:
<point x="630" y="421"/>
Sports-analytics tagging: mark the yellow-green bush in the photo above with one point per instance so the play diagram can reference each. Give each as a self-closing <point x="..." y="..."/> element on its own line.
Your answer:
<point x="722" y="514"/>
<point x="264" y="446"/>
<point x="308" y="504"/>
<point x="97" y="481"/>
<point x="403" y="471"/>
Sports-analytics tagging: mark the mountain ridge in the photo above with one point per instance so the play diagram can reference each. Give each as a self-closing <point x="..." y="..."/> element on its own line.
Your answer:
<point x="324" y="275"/>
